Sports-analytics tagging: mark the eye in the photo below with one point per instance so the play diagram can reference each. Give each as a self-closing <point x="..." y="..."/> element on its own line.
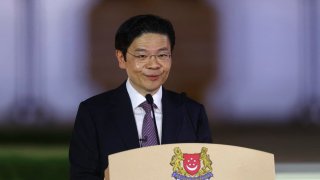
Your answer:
<point x="163" y="56"/>
<point x="142" y="56"/>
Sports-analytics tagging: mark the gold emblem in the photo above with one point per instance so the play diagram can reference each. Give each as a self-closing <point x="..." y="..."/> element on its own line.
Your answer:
<point x="191" y="166"/>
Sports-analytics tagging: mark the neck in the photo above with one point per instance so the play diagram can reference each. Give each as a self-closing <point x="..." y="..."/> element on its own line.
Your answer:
<point x="143" y="92"/>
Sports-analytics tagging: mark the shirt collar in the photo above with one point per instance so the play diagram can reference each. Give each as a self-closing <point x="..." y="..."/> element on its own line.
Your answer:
<point x="136" y="98"/>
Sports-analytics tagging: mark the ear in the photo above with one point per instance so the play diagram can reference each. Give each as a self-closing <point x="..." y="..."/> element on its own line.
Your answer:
<point x="121" y="59"/>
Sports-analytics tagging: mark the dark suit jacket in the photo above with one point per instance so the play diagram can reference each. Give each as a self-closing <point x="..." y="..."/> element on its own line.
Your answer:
<point x="105" y="125"/>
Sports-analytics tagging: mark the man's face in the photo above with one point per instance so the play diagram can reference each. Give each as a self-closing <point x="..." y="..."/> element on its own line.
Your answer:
<point x="147" y="73"/>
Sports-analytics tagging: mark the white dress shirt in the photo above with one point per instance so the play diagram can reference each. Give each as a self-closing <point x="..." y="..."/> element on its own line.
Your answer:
<point x="136" y="99"/>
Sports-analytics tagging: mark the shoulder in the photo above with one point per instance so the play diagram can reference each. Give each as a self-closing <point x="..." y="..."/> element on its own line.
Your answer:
<point x="101" y="98"/>
<point x="182" y="99"/>
<point x="106" y="98"/>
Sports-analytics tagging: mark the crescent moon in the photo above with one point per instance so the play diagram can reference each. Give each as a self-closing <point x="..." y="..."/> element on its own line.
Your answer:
<point x="192" y="169"/>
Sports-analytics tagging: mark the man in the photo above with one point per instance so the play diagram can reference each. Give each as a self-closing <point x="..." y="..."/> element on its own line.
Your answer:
<point x="121" y="119"/>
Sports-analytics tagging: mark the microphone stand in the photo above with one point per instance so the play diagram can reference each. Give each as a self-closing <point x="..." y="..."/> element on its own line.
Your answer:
<point x="150" y="101"/>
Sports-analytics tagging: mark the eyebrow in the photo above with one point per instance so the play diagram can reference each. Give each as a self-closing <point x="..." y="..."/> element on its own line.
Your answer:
<point x="144" y="50"/>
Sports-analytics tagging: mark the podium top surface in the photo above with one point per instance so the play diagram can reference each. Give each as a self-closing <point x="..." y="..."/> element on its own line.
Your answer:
<point x="192" y="161"/>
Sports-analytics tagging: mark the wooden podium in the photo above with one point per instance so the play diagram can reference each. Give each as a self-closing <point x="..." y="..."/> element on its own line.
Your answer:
<point x="192" y="162"/>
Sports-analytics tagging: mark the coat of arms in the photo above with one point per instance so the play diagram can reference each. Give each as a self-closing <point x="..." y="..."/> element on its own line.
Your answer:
<point x="191" y="166"/>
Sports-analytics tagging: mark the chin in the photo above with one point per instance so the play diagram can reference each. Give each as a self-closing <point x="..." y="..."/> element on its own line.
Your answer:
<point x="152" y="89"/>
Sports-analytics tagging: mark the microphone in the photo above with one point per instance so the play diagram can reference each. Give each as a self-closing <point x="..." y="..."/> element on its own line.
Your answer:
<point x="150" y="101"/>
<point x="144" y="139"/>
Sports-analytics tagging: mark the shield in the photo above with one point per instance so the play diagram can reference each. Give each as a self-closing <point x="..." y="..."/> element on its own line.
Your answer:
<point x="191" y="163"/>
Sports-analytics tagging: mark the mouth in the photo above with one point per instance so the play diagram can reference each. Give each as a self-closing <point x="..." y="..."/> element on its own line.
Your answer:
<point x="153" y="77"/>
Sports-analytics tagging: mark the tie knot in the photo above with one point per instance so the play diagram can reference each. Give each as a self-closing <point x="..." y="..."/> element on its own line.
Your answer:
<point x="146" y="106"/>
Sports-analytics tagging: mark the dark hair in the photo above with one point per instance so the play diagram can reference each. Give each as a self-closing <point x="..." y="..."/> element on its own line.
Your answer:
<point x="138" y="25"/>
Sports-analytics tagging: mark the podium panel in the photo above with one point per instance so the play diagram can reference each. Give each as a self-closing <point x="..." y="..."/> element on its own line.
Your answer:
<point x="191" y="162"/>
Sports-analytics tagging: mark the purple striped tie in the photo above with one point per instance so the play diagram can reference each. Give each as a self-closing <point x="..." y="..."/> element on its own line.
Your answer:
<point x="148" y="128"/>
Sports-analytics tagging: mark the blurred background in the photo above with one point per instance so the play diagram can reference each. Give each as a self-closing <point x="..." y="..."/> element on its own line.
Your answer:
<point x="253" y="64"/>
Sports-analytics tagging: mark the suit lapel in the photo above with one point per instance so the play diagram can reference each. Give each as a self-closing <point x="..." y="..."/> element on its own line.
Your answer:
<point x="172" y="117"/>
<point x="124" y="118"/>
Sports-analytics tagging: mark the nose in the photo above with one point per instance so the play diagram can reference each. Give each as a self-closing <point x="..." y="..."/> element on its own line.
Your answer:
<point x="153" y="62"/>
